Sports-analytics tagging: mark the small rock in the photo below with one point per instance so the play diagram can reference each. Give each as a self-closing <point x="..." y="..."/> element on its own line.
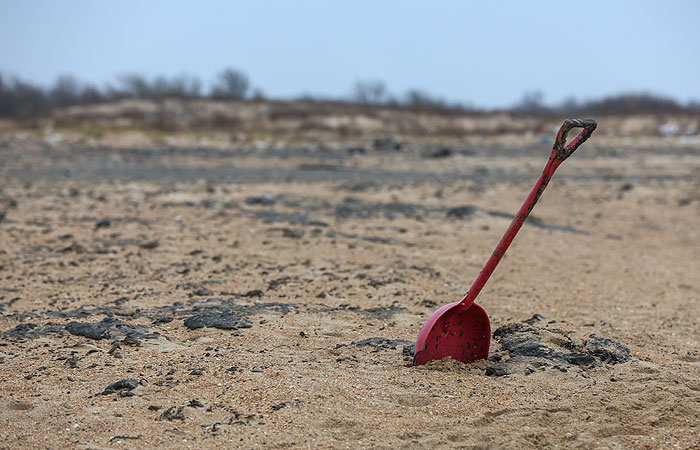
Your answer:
<point x="535" y="318"/>
<point x="461" y="212"/>
<point x="254" y="293"/>
<point x="150" y="244"/>
<point x="280" y="406"/>
<point x="73" y="362"/>
<point x="607" y="351"/>
<point x="442" y="152"/>
<point x="356" y="150"/>
<point x="103" y="223"/>
<point x="162" y="319"/>
<point x="292" y="233"/>
<point x="387" y="143"/>
<point x="75" y="248"/>
<point x="225" y="321"/>
<point x="277" y="282"/>
<point x="428" y="303"/>
<point x="173" y="413"/>
<point x="121" y="385"/>
<point x="580" y="359"/>
<point x="497" y="370"/>
<point x="626" y="187"/>
<point x="264" y="200"/>
<point x="99" y="330"/>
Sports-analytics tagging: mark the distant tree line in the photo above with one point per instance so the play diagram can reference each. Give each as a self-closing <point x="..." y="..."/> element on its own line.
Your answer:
<point x="532" y="102"/>
<point x="375" y="92"/>
<point x="622" y="104"/>
<point x="22" y="99"/>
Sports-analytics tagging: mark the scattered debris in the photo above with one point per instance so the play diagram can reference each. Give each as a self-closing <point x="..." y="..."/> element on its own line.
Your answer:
<point x="379" y="344"/>
<point x="173" y="413"/>
<point x="277" y="282"/>
<point x="31" y="331"/>
<point x="532" y="345"/>
<point x="284" y="405"/>
<point x="124" y="437"/>
<point x="110" y="328"/>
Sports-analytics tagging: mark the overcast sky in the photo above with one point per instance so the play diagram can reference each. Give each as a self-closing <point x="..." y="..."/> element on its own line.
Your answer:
<point x="486" y="53"/>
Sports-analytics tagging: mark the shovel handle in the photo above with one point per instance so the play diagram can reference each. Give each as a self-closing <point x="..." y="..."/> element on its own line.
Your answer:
<point x="560" y="152"/>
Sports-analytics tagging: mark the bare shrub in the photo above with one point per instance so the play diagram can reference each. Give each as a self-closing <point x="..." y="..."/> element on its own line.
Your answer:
<point x="91" y="94"/>
<point x="369" y="92"/>
<point x="418" y="98"/>
<point x="138" y="86"/>
<point x="65" y="91"/>
<point x="22" y="99"/>
<point x="532" y="102"/>
<point x="182" y="86"/>
<point x="231" y="84"/>
<point x="134" y="85"/>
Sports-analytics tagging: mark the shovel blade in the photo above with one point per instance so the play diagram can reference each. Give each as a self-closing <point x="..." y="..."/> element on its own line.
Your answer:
<point x="463" y="333"/>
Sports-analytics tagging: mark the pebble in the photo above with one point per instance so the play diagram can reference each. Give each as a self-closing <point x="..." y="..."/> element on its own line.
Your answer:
<point x="121" y="385"/>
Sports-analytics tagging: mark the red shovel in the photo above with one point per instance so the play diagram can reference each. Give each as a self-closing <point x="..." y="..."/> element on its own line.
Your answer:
<point x="462" y="329"/>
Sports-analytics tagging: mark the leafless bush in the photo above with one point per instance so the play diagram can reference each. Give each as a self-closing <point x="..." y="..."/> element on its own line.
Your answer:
<point x="532" y="102"/>
<point x="22" y="99"/>
<point x="138" y="86"/>
<point x="65" y="91"/>
<point x="258" y="94"/>
<point x="91" y="94"/>
<point x="370" y="92"/>
<point x="421" y="99"/>
<point x="231" y="84"/>
<point x="134" y="85"/>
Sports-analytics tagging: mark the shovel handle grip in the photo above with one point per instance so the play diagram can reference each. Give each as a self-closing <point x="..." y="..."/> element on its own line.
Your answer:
<point x="561" y="151"/>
